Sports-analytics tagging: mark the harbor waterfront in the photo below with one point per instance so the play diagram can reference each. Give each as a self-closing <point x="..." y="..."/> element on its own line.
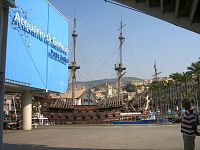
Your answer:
<point x="96" y="137"/>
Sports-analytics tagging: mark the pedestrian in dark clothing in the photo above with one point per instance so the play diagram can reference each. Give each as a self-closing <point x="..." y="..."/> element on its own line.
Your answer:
<point x="188" y="126"/>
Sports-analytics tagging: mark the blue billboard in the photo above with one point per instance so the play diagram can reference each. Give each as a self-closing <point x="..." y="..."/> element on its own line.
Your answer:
<point x="37" y="46"/>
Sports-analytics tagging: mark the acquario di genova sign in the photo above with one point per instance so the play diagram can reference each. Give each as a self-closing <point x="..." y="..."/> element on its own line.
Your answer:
<point x="23" y="24"/>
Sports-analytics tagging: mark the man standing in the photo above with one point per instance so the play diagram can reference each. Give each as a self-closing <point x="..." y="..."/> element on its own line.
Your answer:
<point x="188" y="126"/>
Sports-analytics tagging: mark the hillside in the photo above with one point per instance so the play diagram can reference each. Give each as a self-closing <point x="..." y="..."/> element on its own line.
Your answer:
<point x="103" y="81"/>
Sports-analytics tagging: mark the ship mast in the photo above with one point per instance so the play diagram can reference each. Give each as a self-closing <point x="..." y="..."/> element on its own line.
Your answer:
<point x="73" y="65"/>
<point x="156" y="72"/>
<point x="157" y="100"/>
<point x="119" y="67"/>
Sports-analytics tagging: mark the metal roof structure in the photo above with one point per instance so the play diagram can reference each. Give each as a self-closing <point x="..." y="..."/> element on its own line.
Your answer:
<point x="183" y="13"/>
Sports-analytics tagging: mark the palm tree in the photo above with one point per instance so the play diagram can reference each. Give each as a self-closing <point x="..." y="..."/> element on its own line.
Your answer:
<point x="185" y="77"/>
<point x="167" y="84"/>
<point x="194" y="69"/>
<point x="154" y="88"/>
<point x="164" y="95"/>
<point x="176" y="77"/>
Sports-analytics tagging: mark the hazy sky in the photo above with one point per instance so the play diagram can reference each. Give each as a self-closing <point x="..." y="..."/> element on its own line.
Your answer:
<point x="147" y="39"/>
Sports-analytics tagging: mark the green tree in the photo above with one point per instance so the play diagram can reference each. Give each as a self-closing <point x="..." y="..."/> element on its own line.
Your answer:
<point x="194" y="69"/>
<point x="176" y="80"/>
<point x="165" y="100"/>
<point x="176" y="77"/>
<point x="185" y="77"/>
<point x="154" y="87"/>
<point x="168" y="85"/>
<point x="129" y="87"/>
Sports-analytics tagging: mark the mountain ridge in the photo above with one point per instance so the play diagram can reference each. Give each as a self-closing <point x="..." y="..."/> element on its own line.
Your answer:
<point x="103" y="81"/>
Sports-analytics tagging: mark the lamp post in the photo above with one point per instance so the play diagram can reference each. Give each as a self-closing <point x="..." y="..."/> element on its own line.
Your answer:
<point x="197" y="101"/>
<point x="4" y="8"/>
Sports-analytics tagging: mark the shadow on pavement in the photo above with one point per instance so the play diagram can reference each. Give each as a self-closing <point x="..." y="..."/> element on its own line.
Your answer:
<point x="45" y="147"/>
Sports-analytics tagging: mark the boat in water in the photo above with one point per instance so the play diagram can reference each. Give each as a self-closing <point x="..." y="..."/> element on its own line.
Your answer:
<point x="138" y="118"/>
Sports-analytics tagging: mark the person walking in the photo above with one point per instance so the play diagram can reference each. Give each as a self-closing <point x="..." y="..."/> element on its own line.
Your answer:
<point x="188" y="125"/>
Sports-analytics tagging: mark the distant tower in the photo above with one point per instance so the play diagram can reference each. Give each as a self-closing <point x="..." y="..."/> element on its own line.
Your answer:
<point x="73" y="65"/>
<point x="119" y="67"/>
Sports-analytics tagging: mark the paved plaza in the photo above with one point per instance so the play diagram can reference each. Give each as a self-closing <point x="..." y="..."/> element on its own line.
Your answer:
<point x="96" y="137"/>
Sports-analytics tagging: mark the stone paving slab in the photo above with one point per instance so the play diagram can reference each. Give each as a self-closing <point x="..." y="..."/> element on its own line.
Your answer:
<point x="97" y="137"/>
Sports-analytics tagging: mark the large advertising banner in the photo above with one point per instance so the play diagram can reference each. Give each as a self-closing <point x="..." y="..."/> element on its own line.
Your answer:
<point x="37" y="46"/>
